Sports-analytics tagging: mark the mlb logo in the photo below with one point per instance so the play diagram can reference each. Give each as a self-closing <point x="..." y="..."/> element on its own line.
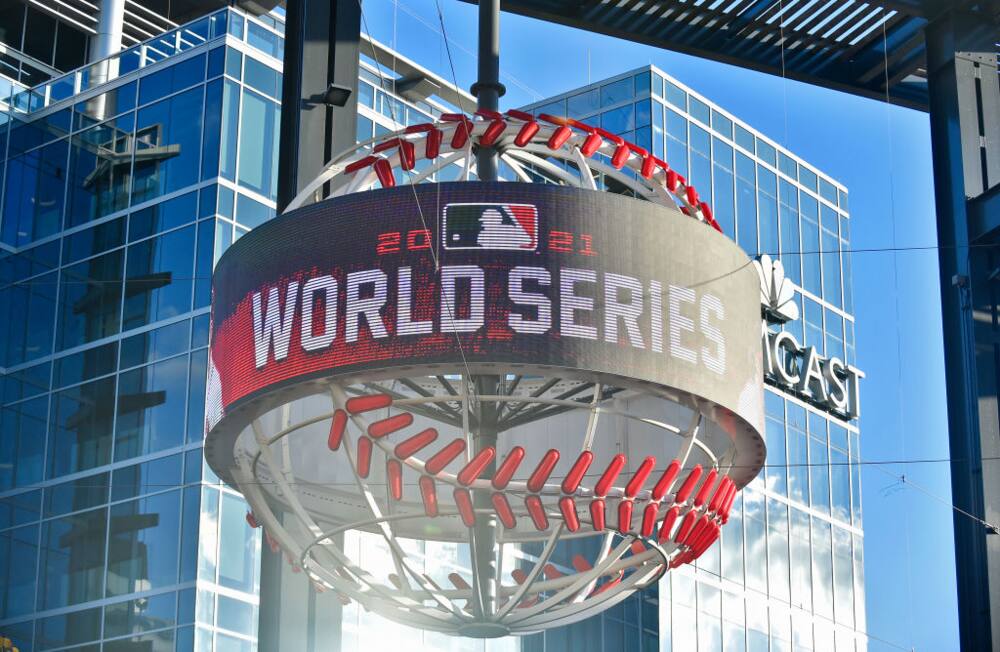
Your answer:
<point x="491" y="226"/>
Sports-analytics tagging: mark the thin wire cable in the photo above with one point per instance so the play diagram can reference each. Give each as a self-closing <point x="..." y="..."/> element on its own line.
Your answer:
<point x="841" y="250"/>
<point x="416" y="198"/>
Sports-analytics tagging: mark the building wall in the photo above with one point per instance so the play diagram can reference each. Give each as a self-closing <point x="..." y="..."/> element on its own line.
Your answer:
<point x="117" y="199"/>
<point x="788" y="569"/>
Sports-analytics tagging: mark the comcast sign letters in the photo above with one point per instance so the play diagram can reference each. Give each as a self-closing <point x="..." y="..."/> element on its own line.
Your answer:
<point x="829" y="383"/>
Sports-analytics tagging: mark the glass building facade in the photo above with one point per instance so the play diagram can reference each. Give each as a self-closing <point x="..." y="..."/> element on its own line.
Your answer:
<point x="122" y="182"/>
<point x="788" y="572"/>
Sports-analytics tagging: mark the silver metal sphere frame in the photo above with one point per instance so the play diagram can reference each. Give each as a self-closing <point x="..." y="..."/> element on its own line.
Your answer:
<point x="646" y="522"/>
<point x="653" y="517"/>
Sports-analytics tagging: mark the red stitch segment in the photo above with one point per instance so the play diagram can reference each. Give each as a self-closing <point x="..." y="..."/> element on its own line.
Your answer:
<point x="390" y="425"/>
<point x="610" y="475"/>
<point x="337" y="426"/>
<point x="364" y="456"/>
<point x="464" y="503"/>
<point x="537" y="512"/>
<point x="568" y="508"/>
<point x="360" y="404"/>
<point x="508" y="467"/>
<point x="503" y="510"/>
<point x="428" y="492"/>
<point x="444" y="456"/>
<point x="415" y="443"/>
<point x="640" y="476"/>
<point x="572" y="481"/>
<point x="666" y="480"/>
<point x="471" y="471"/>
<point x="544" y="469"/>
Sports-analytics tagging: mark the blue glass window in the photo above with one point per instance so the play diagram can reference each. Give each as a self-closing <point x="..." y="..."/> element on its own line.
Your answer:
<point x="263" y="78"/>
<point x="18" y="563"/>
<point x="788" y="215"/>
<point x="258" y="144"/>
<point x="642" y="83"/>
<point x="264" y="40"/>
<point x="723" y="197"/>
<point x="143" y="546"/>
<point x="819" y="471"/>
<point x="643" y="114"/>
<point x="211" y="139"/>
<point x="150" y="410"/>
<point x="26" y="319"/>
<point x="766" y="152"/>
<point x="701" y="166"/>
<point x="808" y="178"/>
<point x="746" y="204"/>
<point x="168" y="145"/>
<point x="90" y="300"/>
<point x="100" y="170"/>
<point x="252" y="213"/>
<point x="620" y="120"/>
<point x="616" y="92"/>
<point x="831" y="268"/>
<point x="22" y="438"/>
<point x="230" y="130"/>
<point x="585" y="103"/>
<point x="700" y="111"/>
<point x="768" y="211"/>
<point x="788" y="165"/>
<point x="744" y="139"/>
<point x="811" y="264"/>
<point x="35" y="192"/>
<point x="171" y="79"/>
<point x="676" y="96"/>
<point x="158" y="278"/>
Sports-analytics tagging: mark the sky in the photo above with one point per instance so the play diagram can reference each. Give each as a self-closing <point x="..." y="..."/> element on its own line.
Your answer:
<point x="883" y="155"/>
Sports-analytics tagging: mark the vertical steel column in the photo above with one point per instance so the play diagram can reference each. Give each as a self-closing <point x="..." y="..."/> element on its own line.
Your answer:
<point x="110" y="24"/>
<point x="322" y="43"/>
<point x="488" y="91"/>
<point x="961" y="271"/>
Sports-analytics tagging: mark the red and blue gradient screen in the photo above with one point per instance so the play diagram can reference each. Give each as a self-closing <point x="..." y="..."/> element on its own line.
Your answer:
<point x="444" y="275"/>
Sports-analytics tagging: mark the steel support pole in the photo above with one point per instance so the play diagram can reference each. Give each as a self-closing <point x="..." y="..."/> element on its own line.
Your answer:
<point x="488" y="91"/>
<point x="962" y="277"/>
<point x="322" y="43"/>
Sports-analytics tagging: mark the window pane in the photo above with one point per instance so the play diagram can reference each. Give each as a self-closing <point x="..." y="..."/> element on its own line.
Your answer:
<point x="158" y="279"/>
<point x="142" y="554"/>
<point x="820" y="475"/>
<point x="811" y="274"/>
<point x="80" y="435"/>
<point x="238" y="554"/>
<point x="35" y="191"/>
<point x="168" y="145"/>
<point x="258" y="145"/>
<point x="777" y="549"/>
<point x="27" y="313"/>
<point x="616" y="92"/>
<point x="800" y="563"/>
<point x="72" y="560"/>
<point x="585" y="103"/>
<point x="619" y="120"/>
<point x="100" y="170"/>
<point x="22" y="440"/>
<point x="756" y="539"/>
<point x="151" y="408"/>
<point x="18" y="561"/>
